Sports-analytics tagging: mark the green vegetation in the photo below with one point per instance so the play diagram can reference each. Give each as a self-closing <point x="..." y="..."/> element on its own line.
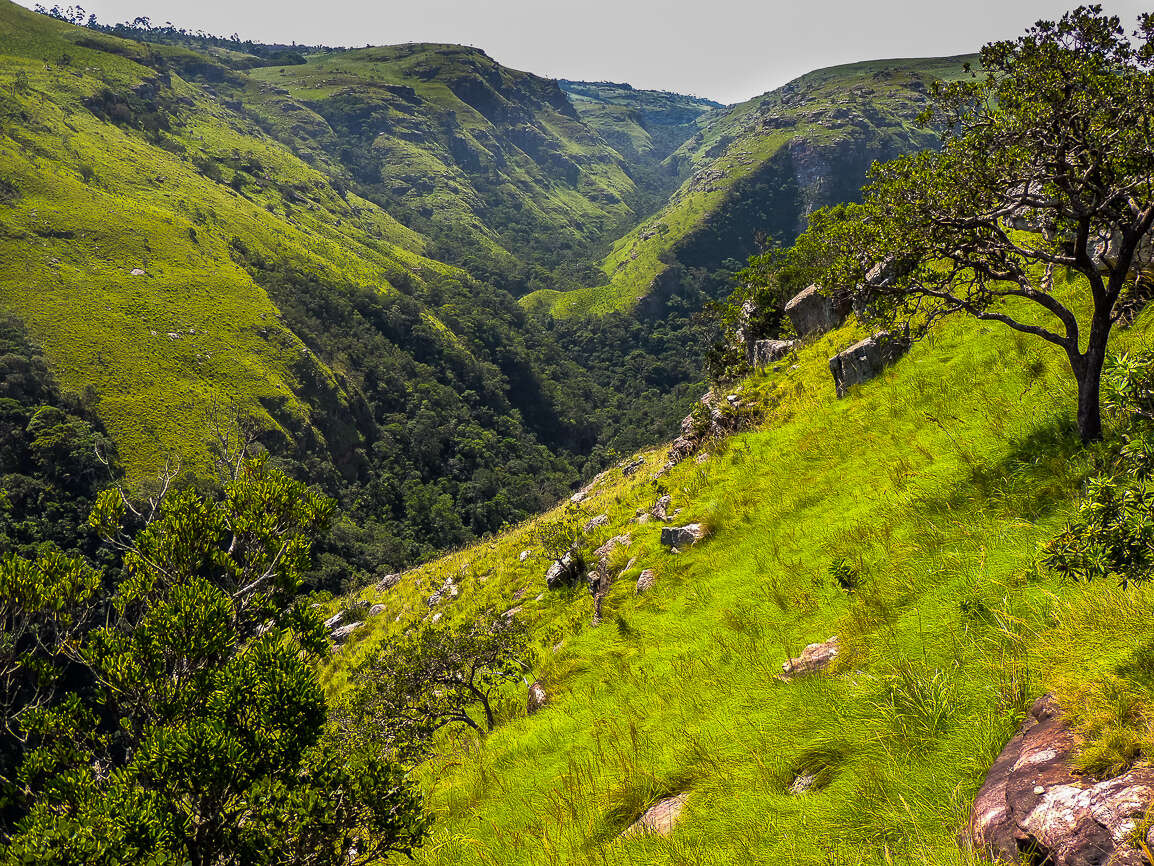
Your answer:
<point x="193" y="729"/>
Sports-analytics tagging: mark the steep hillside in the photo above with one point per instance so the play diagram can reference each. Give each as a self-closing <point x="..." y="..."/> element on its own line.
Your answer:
<point x="179" y="265"/>
<point x="494" y="165"/>
<point x="757" y="169"/>
<point x="926" y="494"/>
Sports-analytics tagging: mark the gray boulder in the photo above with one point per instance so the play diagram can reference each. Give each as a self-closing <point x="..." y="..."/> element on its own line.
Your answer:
<point x="342" y="633"/>
<point x="375" y="610"/>
<point x="762" y="353"/>
<point x="682" y="536"/>
<point x="646" y="580"/>
<point x="388" y="582"/>
<point x="1033" y="801"/>
<point x="812" y="312"/>
<point x="565" y="571"/>
<point x="865" y="359"/>
<point x="661" y="508"/>
<point x="596" y="522"/>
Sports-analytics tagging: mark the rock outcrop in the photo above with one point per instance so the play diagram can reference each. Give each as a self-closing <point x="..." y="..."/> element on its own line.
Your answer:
<point x="682" y="536"/>
<point x="714" y="419"/>
<point x="596" y="522"/>
<point x="865" y="359"/>
<point x="388" y="582"/>
<point x="815" y="657"/>
<point x="1033" y="805"/>
<point x="812" y="312"/>
<point x="661" y="508"/>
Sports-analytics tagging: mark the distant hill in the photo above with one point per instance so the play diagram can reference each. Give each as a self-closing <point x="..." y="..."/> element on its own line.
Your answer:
<point x="761" y="167"/>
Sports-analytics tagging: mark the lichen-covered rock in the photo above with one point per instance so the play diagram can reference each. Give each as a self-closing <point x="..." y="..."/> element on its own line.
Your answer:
<point x="1033" y="803"/>
<point x="375" y="610"/>
<point x="632" y="466"/>
<point x="335" y="619"/>
<point x="682" y="536"/>
<point x="646" y="580"/>
<point x="814" y="658"/>
<point x="623" y="540"/>
<point x="714" y="418"/>
<point x="538" y="697"/>
<point x="865" y="359"/>
<point x="762" y="353"/>
<point x="812" y="312"/>
<point x="448" y="588"/>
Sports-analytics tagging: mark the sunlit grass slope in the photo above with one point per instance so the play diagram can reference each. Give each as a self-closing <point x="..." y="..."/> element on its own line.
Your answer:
<point x="85" y="202"/>
<point x="815" y="136"/>
<point x="936" y="482"/>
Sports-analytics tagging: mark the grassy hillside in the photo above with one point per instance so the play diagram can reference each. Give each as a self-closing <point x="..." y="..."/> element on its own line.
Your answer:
<point x="493" y="164"/>
<point x="175" y="260"/>
<point x="936" y="483"/>
<point x="761" y="167"/>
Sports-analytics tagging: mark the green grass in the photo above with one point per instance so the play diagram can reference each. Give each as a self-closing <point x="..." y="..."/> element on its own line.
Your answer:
<point x="938" y="481"/>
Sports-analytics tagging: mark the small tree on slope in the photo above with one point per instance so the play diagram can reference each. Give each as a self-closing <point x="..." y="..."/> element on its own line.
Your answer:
<point x="1056" y="137"/>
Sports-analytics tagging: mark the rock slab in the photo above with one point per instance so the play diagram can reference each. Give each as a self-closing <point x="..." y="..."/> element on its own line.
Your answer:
<point x="762" y="353"/>
<point x="1033" y="804"/>
<point x="659" y="818"/>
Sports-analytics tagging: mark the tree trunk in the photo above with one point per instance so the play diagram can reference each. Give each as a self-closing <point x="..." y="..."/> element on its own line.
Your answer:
<point x="1088" y="372"/>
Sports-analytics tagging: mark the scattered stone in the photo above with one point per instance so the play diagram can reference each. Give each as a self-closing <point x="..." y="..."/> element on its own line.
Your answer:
<point x="1033" y="802"/>
<point x="578" y="497"/>
<point x="802" y="783"/>
<point x="335" y="619"/>
<point x="659" y="818"/>
<point x="812" y="312"/>
<point x="137" y="272"/>
<point x="513" y="611"/>
<point x="660" y="509"/>
<point x="524" y="555"/>
<point x="612" y="544"/>
<point x="701" y="458"/>
<point x="596" y="522"/>
<point x="632" y="466"/>
<point x="865" y="359"/>
<point x="436" y="618"/>
<point x="375" y="610"/>
<point x="448" y="588"/>
<point x="344" y="631"/>
<point x="815" y="657"/>
<point x="716" y="419"/>
<point x="682" y="536"/>
<point x="641" y="518"/>
<point x="646" y="580"/>
<point x="538" y="697"/>
<point x="388" y="582"/>
<point x="764" y="352"/>
<point x="519" y="594"/>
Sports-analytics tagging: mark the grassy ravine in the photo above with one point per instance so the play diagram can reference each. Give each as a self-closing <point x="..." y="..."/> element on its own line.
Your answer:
<point x="845" y="116"/>
<point x="938" y="481"/>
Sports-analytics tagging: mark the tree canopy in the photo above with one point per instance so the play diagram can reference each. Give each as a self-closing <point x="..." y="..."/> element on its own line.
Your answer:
<point x="1045" y="177"/>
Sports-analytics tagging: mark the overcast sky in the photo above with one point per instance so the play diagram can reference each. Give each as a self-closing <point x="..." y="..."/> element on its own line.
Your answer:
<point x="728" y="50"/>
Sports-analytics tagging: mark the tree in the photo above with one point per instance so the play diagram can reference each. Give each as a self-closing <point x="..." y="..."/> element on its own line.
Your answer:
<point x="432" y="677"/>
<point x="206" y="738"/>
<point x="1047" y="163"/>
